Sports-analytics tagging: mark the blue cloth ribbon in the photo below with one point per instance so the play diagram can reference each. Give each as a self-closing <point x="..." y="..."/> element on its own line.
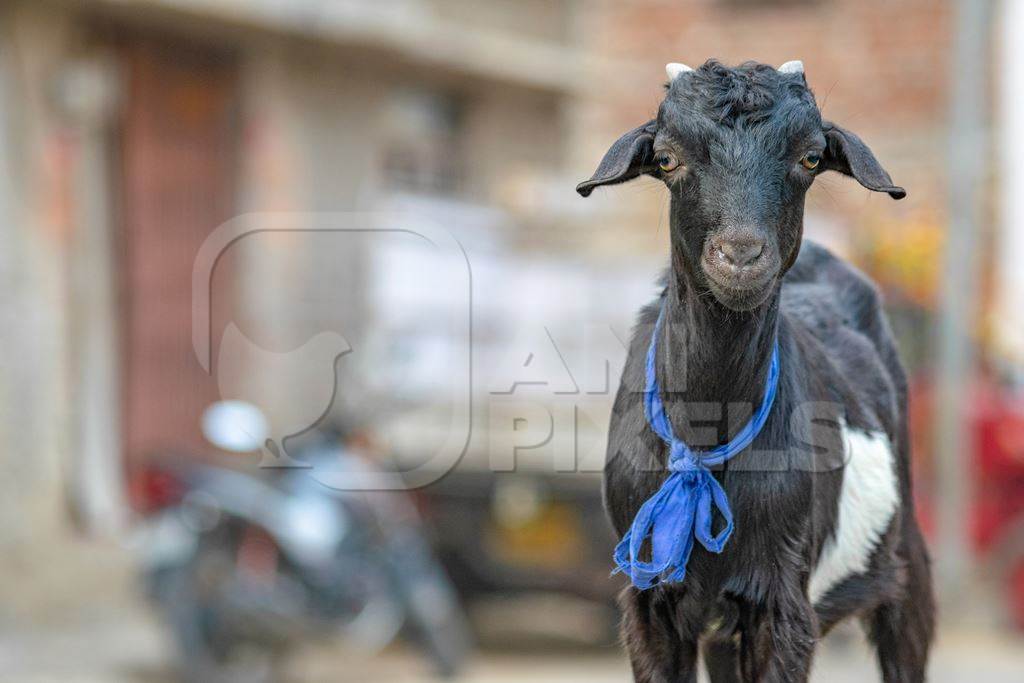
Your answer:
<point x="683" y="507"/>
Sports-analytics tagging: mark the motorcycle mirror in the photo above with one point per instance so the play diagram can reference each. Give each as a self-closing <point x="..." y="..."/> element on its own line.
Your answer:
<point x="235" y="426"/>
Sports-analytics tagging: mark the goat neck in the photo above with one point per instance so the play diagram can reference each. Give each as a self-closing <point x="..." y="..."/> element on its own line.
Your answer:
<point x="712" y="362"/>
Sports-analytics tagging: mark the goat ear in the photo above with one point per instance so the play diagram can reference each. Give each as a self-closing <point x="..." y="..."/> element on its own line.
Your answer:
<point x="847" y="153"/>
<point x="631" y="155"/>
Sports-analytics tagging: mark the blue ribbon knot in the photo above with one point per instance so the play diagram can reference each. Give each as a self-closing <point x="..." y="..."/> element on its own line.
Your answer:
<point x="683" y="508"/>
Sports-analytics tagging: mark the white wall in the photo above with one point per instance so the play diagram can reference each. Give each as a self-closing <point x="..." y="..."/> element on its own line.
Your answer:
<point x="1009" y="246"/>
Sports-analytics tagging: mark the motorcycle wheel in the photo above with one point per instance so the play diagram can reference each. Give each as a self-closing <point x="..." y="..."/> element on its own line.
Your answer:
<point x="203" y="657"/>
<point x="438" y="624"/>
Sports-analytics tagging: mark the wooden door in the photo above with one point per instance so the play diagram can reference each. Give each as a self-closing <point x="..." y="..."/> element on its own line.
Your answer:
<point x="177" y="144"/>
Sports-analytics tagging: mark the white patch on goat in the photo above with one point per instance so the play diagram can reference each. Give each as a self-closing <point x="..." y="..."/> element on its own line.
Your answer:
<point x="867" y="502"/>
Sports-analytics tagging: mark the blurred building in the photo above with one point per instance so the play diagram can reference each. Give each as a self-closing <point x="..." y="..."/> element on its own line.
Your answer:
<point x="132" y="129"/>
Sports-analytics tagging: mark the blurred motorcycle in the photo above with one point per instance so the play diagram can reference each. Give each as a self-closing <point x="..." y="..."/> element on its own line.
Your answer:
<point x="246" y="566"/>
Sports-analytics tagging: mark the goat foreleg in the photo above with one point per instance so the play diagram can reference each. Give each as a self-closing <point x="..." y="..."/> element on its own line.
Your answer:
<point x="658" y="652"/>
<point x="777" y="642"/>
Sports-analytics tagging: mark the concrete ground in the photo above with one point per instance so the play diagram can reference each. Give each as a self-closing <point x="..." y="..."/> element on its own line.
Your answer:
<point x="82" y="621"/>
<point x="129" y="646"/>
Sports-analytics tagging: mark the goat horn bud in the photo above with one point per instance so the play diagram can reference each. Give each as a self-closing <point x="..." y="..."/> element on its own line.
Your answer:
<point x="675" y="69"/>
<point x="793" y="67"/>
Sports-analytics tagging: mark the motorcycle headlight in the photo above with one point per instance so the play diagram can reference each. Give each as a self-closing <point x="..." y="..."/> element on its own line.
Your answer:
<point x="312" y="528"/>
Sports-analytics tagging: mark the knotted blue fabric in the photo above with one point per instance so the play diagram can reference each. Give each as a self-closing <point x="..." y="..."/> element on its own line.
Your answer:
<point x="683" y="508"/>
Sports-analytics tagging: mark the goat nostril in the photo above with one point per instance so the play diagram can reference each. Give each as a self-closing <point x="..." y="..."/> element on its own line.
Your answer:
<point x="756" y="252"/>
<point x="739" y="254"/>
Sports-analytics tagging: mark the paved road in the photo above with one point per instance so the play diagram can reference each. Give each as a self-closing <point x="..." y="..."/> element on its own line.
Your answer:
<point x="129" y="647"/>
<point x="88" y="625"/>
<point x="960" y="658"/>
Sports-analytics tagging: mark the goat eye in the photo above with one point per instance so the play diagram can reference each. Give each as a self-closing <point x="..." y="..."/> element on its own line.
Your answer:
<point x="810" y="161"/>
<point x="667" y="162"/>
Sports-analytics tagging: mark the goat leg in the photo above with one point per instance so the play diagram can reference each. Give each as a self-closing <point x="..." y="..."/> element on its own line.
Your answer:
<point x="658" y="652"/>
<point x="721" y="659"/>
<point x="777" y="642"/>
<point x="902" y="629"/>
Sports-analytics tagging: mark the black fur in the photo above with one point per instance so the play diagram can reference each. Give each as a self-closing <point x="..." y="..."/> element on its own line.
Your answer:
<point x="743" y="136"/>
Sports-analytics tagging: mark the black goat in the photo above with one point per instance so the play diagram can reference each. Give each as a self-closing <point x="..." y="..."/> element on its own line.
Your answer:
<point x="824" y="522"/>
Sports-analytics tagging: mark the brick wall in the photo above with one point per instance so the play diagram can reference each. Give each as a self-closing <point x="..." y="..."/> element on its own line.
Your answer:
<point x="877" y="67"/>
<point x="863" y="57"/>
